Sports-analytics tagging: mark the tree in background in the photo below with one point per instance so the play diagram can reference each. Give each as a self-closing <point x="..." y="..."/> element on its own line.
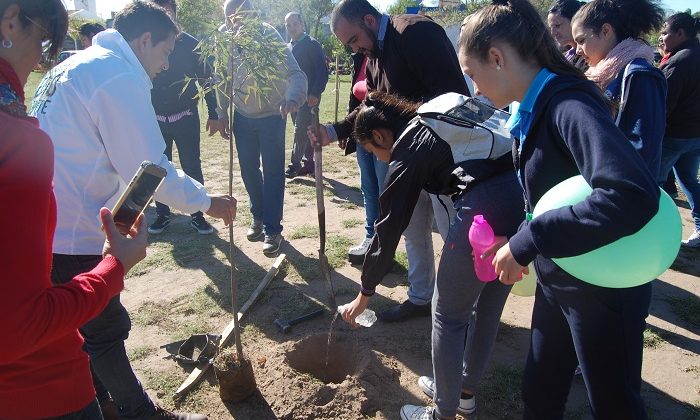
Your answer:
<point x="199" y="17"/>
<point x="399" y="6"/>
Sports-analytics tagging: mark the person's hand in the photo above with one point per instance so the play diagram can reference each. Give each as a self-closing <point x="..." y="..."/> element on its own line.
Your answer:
<point x="225" y="129"/>
<point x="130" y="249"/>
<point x="508" y="270"/>
<point x="353" y="309"/>
<point x="223" y="206"/>
<point x="312" y="101"/>
<point x="321" y="137"/>
<point x="217" y="126"/>
<point x="288" y="107"/>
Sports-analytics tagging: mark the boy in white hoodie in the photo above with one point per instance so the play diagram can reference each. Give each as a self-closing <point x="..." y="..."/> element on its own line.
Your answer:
<point x="96" y="106"/>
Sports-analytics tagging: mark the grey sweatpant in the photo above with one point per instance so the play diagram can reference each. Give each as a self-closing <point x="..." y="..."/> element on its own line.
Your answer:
<point x="461" y="302"/>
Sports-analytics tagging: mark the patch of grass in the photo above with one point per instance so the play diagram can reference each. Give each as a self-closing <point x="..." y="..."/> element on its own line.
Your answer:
<point x="500" y="392"/>
<point x="191" y="326"/>
<point x="652" y="340"/>
<point x="337" y="250"/>
<point x="165" y="383"/>
<point x="304" y="231"/>
<point x="351" y="223"/>
<point x="243" y="215"/>
<point x="251" y="332"/>
<point x="347" y="205"/>
<point x="305" y="192"/>
<point x="687" y="309"/>
<point x="400" y="263"/>
<point x="152" y="314"/>
<point x="140" y="352"/>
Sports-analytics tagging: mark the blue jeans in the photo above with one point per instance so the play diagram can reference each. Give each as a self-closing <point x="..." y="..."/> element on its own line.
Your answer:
<point x="185" y="133"/>
<point x="372" y="174"/>
<point x="91" y="412"/>
<point x="104" y="342"/>
<point x="683" y="156"/>
<point x="256" y="139"/>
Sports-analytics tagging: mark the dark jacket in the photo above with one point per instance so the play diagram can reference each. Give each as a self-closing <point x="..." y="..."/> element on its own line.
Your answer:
<point x="572" y="134"/>
<point x="417" y="62"/>
<point x="642" y="117"/>
<point x="420" y="160"/>
<point x="312" y="61"/>
<point x="357" y="60"/>
<point x="682" y="73"/>
<point x="167" y="95"/>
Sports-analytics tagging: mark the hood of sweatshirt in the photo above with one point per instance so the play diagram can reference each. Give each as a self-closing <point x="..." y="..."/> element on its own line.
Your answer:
<point x="113" y="41"/>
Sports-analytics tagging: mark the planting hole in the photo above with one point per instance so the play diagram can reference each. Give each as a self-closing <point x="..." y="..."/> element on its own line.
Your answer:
<point x="309" y="356"/>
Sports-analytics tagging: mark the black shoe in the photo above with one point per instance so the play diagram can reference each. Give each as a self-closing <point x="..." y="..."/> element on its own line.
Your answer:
<point x="291" y="172"/>
<point x="404" y="311"/>
<point x="200" y="224"/>
<point x="271" y="244"/>
<point x="162" y="221"/>
<point x="255" y="232"/>
<point x="306" y="170"/>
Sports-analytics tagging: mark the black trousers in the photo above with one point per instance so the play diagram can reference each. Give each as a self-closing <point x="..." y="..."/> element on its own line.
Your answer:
<point x="186" y="135"/>
<point x="598" y="328"/>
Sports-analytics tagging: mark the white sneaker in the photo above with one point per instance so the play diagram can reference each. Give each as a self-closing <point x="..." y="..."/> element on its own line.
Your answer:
<point x="466" y="406"/>
<point x="693" y="240"/>
<point x="356" y="255"/>
<point x="417" y="412"/>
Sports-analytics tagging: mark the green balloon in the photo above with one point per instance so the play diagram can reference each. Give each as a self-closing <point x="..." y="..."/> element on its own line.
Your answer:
<point x="630" y="261"/>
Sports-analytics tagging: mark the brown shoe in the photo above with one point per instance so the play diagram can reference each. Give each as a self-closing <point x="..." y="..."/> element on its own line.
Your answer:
<point x="110" y="410"/>
<point x="163" y="414"/>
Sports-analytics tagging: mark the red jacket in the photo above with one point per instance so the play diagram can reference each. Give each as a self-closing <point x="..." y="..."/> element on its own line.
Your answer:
<point x="43" y="370"/>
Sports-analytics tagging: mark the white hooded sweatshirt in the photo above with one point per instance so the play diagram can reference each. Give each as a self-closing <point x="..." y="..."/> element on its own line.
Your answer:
<point x="96" y="107"/>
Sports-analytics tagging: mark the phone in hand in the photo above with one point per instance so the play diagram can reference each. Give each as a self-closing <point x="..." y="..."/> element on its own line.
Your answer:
<point x="137" y="195"/>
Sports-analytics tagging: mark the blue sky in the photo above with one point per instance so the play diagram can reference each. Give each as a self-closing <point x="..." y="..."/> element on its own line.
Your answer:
<point x="105" y="6"/>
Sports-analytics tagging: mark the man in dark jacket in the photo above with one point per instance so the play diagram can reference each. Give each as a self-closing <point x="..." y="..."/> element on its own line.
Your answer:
<point x="312" y="61"/>
<point x="409" y="55"/>
<point x="681" y="146"/>
<point x="178" y="116"/>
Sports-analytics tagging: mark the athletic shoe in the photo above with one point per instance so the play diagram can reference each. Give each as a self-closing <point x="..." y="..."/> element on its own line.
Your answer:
<point x="466" y="405"/>
<point x="356" y="255"/>
<point x="272" y="244"/>
<point x="162" y="221"/>
<point x="200" y="224"/>
<point x="693" y="240"/>
<point x="404" y="311"/>
<point x="255" y="232"/>
<point x="417" y="412"/>
<point x="291" y="172"/>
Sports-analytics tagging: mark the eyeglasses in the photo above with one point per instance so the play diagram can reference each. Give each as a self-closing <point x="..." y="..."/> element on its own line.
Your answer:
<point x="45" y="37"/>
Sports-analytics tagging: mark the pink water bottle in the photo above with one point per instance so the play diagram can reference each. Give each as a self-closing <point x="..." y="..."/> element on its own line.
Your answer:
<point x="481" y="237"/>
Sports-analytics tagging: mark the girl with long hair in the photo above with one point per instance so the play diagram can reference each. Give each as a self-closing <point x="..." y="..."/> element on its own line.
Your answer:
<point x="563" y="128"/>
<point x="559" y="21"/>
<point x="419" y="159"/>
<point x="608" y="34"/>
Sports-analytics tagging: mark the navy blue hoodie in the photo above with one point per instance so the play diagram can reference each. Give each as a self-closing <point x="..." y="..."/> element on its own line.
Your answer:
<point x="572" y="133"/>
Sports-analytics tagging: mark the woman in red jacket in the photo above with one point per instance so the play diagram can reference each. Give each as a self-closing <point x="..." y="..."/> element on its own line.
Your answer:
<point x="44" y="373"/>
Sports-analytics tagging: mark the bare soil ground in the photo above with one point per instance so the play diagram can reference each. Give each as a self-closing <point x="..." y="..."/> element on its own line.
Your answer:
<point x="183" y="288"/>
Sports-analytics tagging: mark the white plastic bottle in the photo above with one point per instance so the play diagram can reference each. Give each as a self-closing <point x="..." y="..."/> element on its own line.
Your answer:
<point x="366" y="318"/>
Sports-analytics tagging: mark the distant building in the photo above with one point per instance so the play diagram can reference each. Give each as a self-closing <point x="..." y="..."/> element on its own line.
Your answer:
<point x="86" y="9"/>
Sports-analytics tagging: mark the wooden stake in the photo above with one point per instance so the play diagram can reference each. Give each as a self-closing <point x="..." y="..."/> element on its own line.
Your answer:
<point x="198" y="373"/>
